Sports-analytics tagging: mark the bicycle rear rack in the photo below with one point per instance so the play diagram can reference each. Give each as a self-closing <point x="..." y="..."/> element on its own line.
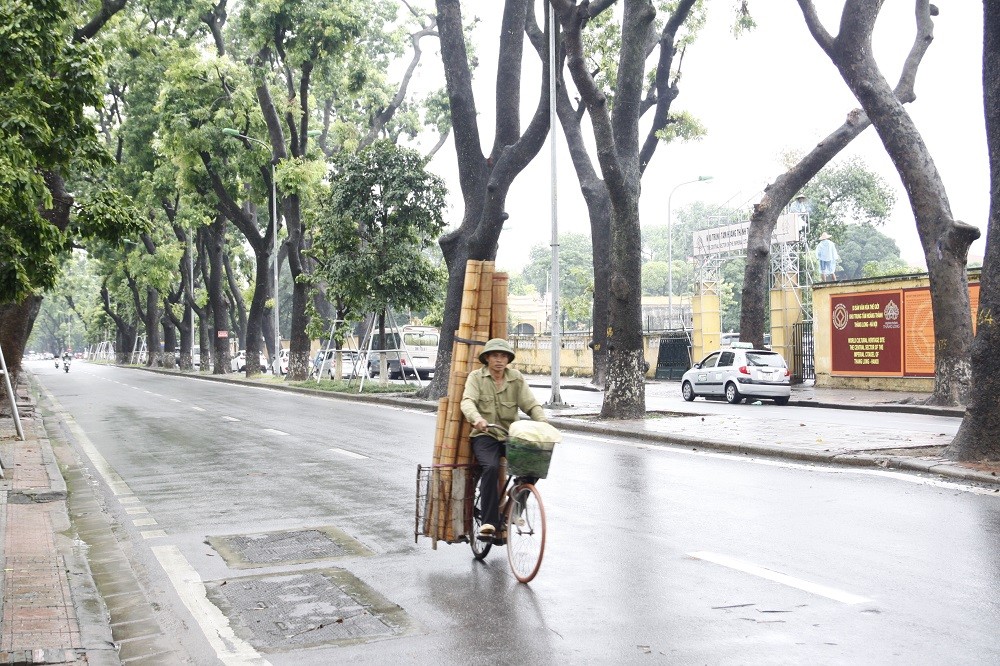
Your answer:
<point x="444" y="503"/>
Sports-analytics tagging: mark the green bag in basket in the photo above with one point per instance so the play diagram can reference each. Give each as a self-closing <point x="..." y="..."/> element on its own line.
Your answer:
<point x="529" y="448"/>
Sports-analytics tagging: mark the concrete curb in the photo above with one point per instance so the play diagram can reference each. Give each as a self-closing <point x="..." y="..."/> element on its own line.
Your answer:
<point x="884" y="407"/>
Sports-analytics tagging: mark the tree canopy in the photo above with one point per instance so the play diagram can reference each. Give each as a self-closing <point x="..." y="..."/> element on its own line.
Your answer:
<point x="384" y="210"/>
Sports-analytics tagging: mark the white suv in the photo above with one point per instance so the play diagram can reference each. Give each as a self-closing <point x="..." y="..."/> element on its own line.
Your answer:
<point x="737" y="373"/>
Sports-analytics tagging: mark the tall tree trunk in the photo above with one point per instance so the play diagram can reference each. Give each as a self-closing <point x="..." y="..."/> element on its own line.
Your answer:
<point x="977" y="436"/>
<point x="485" y="181"/>
<point x="594" y="189"/>
<point x="215" y="248"/>
<point x="245" y="218"/>
<point x="299" y="343"/>
<point x="598" y="201"/>
<point x="168" y="360"/>
<point x="125" y="333"/>
<point x="16" y="321"/>
<point x="154" y="348"/>
<point x="617" y="140"/>
<point x="945" y="240"/>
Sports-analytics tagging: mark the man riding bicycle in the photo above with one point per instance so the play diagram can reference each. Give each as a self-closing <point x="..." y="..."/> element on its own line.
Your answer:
<point x="493" y="394"/>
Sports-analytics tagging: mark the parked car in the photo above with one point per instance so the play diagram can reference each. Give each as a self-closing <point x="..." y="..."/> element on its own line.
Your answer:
<point x="349" y="363"/>
<point x="392" y="343"/>
<point x="739" y="372"/>
<point x="195" y="356"/>
<point x="417" y="354"/>
<point x="239" y="361"/>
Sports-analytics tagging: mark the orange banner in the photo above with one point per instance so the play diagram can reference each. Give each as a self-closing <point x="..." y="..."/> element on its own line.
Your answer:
<point x="918" y="329"/>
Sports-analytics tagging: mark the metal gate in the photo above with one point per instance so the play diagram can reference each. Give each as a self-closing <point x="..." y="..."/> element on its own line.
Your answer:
<point x="674" y="356"/>
<point x="803" y="352"/>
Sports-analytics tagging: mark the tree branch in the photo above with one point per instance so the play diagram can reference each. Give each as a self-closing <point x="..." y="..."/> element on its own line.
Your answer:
<point x="387" y="113"/>
<point x="108" y="9"/>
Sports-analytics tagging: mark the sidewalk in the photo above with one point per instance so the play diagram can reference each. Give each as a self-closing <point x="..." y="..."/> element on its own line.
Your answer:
<point x="44" y="577"/>
<point x="52" y="613"/>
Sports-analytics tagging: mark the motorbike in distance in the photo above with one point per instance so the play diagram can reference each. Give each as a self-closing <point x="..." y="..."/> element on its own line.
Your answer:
<point x="65" y="364"/>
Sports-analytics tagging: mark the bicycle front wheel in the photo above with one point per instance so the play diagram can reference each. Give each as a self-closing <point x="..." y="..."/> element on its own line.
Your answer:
<point x="525" y="532"/>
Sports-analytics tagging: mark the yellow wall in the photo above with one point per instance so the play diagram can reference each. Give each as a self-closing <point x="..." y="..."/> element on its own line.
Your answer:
<point x="534" y="354"/>
<point x="822" y="326"/>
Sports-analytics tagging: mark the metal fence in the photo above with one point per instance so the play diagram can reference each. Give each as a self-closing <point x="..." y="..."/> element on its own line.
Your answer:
<point x="803" y="352"/>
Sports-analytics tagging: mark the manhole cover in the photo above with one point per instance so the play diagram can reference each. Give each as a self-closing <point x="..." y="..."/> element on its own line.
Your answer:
<point x="306" y="609"/>
<point x="242" y="551"/>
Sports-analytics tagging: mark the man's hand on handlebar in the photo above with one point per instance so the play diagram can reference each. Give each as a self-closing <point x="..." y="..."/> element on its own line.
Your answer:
<point x="481" y="425"/>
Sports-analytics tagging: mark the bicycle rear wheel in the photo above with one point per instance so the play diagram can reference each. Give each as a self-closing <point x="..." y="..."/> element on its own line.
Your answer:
<point x="525" y="532"/>
<point x="480" y="549"/>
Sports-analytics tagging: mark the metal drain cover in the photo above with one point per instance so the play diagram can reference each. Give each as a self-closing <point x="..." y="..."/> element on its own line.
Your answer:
<point x="244" y="551"/>
<point x="306" y="609"/>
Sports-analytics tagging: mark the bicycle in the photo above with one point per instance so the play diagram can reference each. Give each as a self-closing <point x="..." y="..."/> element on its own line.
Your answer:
<point x="522" y="515"/>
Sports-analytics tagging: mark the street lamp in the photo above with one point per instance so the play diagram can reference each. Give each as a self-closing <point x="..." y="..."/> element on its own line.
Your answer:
<point x="276" y="363"/>
<point x="670" y="249"/>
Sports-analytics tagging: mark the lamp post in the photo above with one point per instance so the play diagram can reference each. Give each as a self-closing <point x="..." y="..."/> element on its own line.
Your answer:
<point x="276" y="362"/>
<point x="555" y="400"/>
<point x="670" y="248"/>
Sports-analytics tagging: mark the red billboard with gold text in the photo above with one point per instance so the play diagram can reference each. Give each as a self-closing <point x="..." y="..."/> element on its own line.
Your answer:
<point x="867" y="333"/>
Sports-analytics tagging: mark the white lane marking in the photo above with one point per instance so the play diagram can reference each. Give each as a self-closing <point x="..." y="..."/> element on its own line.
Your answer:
<point x="136" y="510"/>
<point x="230" y="648"/>
<point x="115" y="482"/>
<point x="144" y="522"/>
<point x="275" y="432"/>
<point x="153" y="534"/>
<point x="197" y="408"/>
<point x="821" y="467"/>
<point x="174" y="400"/>
<point x="230" y="418"/>
<point x="349" y="454"/>
<point x="784" y="579"/>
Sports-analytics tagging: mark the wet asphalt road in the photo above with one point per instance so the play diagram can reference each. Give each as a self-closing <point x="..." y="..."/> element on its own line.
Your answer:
<point x="655" y="553"/>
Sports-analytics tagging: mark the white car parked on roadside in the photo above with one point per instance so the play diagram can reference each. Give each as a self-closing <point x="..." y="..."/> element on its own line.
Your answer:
<point x="737" y="373"/>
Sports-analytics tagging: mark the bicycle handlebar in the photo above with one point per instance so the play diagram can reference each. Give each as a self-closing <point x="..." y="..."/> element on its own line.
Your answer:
<point x="495" y="426"/>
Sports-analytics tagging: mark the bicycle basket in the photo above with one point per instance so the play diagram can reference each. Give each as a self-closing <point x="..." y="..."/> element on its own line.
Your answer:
<point x="529" y="458"/>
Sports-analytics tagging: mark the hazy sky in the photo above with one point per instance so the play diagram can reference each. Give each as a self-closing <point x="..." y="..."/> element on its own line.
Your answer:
<point x="761" y="95"/>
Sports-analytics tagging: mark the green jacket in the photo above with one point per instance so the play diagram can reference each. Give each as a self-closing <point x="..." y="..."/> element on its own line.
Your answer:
<point x="483" y="399"/>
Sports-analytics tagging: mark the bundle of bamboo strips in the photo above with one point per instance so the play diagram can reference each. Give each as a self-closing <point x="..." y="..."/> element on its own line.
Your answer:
<point x="448" y="516"/>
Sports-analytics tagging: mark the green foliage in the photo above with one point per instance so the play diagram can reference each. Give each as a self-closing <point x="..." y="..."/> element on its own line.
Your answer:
<point x="682" y="126"/>
<point x="655" y="277"/>
<point x="437" y="111"/>
<point x="576" y="276"/>
<point x="298" y="176"/>
<point x="47" y="84"/>
<point x="383" y="211"/>
<point x="889" y="266"/>
<point x="865" y="252"/>
<point x="743" y="21"/>
<point x="520" y="286"/>
<point x="348" y="386"/>
<point x="602" y="42"/>
<point x="69" y="317"/>
<point x="306" y="31"/>
<point x="842" y="193"/>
